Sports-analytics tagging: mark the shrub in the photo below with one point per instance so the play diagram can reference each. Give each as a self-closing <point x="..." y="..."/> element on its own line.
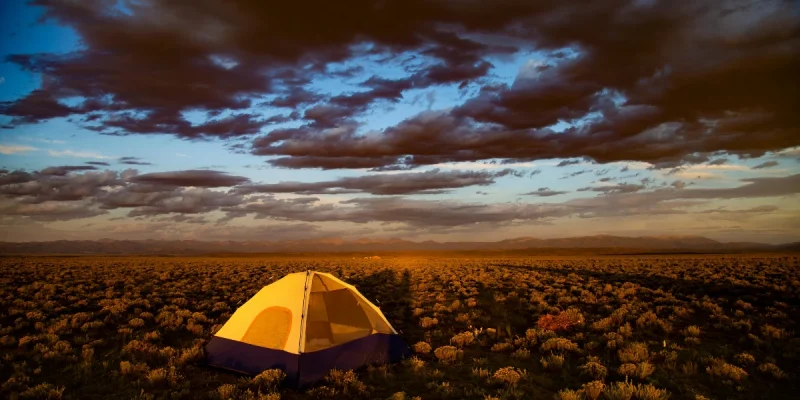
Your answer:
<point x="692" y="331"/>
<point x="627" y="369"/>
<point x="634" y="353"/>
<point x="403" y="396"/>
<point x="562" y="321"/>
<point x="744" y="359"/>
<point x="447" y="354"/>
<point x="644" y="369"/>
<point x="463" y="339"/>
<point x="689" y="368"/>
<point x="43" y="391"/>
<point x="268" y="379"/>
<point x="553" y="362"/>
<point x="593" y="390"/>
<point x="772" y="370"/>
<point x="136" y="323"/>
<point x="480" y="372"/>
<point x="414" y="363"/>
<point x="501" y="347"/>
<point x="422" y="347"/>
<point x="347" y="381"/>
<point x="227" y="391"/>
<point x="567" y="394"/>
<point x="522" y="354"/>
<point x="620" y="391"/>
<point x="8" y="341"/>
<point x="722" y="369"/>
<point x="427" y="322"/>
<point x="507" y="375"/>
<point x="560" y="344"/>
<point x="594" y="369"/>
<point x="650" y="392"/>
<point x="774" y="332"/>
<point x="157" y="376"/>
<point x="189" y="355"/>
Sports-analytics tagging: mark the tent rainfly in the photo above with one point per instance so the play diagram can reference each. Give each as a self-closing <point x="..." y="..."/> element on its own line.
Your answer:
<point x="305" y="324"/>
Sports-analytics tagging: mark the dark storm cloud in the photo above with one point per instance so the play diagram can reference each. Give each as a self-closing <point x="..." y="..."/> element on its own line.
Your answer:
<point x="429" y="182"/>
<point x="221" y="67"/>
<point x="737" y="100"/>
<point x="198" y="178"/>
<point x="690" y="79"/>
<point x="545" y="192"/>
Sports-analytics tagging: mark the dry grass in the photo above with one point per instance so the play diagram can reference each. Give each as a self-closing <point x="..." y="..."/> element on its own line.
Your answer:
<point x="678" y="327"/>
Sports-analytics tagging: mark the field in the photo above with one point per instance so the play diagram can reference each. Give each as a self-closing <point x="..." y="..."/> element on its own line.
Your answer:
<point x="648" y="327"/>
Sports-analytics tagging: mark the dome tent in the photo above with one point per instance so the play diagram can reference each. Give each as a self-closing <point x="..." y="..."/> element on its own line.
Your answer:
<point x="305" y="324"/>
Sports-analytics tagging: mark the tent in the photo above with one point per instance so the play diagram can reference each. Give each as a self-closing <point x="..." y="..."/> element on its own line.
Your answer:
<point x="305" y="324"/>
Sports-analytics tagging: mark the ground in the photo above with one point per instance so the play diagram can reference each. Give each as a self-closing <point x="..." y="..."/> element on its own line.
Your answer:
<point x="643" y="327"/>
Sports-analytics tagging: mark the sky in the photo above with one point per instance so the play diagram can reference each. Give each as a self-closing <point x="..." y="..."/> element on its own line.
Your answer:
<point x="420" y="120"/>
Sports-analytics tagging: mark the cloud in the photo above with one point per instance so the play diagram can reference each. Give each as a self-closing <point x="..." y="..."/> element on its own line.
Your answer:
<point x="545" y="192"/>
<point x="12" y="149"/>
<point x="416" y="213"/>
<point x="718" y="161"/>
<point x="646" y="98"/>
<point x="766" y="164"/>
<point x="65" y="169"/>
<point x="72" y="192"/>
<point x="676" y="198"/>
<point x="765" y="209"/>
<point x="222" y="69"/>
<point x="98" y="163"/>
<point x="614" y="189"/>
<point x="77" y="154"/>
<point x="675" y="110"/>
<point x="568" y="162"/>
<point x="132" y="161"/>
<point x="57" y="184"/>
<point x="430" y="182"/>
<point x="698" y="175"/>
<point x="196" y="178"/>
<point x="791" y="152"/>
<point x="49" y="210"/>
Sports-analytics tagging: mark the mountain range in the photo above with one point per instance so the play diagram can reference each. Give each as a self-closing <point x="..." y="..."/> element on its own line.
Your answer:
<point x="598" y="244"/>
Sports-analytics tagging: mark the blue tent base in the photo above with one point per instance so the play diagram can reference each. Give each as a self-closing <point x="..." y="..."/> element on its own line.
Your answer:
<point x="306" y="368"/>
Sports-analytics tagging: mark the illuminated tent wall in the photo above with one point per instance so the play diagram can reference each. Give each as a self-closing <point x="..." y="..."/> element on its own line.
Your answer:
<point x="305" y="324"/>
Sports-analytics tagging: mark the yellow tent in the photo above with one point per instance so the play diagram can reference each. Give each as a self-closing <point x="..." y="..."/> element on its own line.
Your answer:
<point x="305" y="324"/>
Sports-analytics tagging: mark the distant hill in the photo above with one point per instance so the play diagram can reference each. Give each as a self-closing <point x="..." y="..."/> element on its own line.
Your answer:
<point x="604" y="243"/>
